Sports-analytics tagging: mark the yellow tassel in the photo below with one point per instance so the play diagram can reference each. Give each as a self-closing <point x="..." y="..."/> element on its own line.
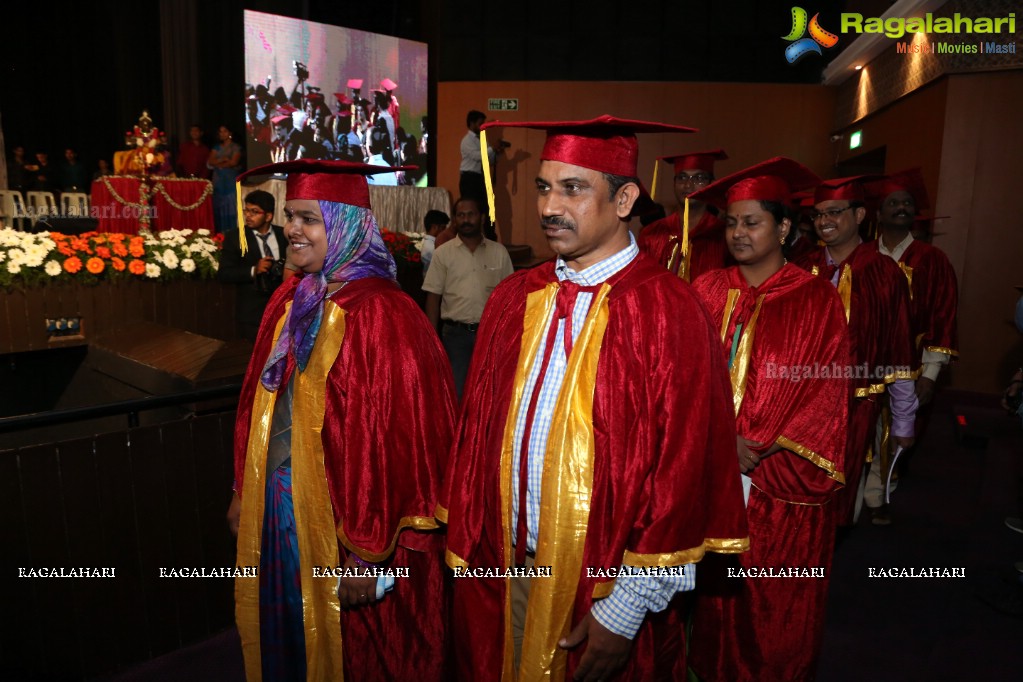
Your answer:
<point x="653" y="184"/>
<point x="684" y="267"/>
<point x="485" y="160"/>
<point x="242" y="241"/>
<point x="685" y="229"/>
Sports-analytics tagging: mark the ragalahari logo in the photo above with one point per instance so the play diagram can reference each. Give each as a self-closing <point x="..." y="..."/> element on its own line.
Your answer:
<point x="801" y="46"/>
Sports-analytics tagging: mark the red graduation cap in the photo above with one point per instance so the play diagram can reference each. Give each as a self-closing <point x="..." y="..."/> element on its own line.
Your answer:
<point x="605" y="144"/>
<point x="848" y="189"/>
<point x="803" y="199"/>
<point x="355" y="83"/>
<point x="772" y="180"/>
<point x="314" y="96"/>
<point x="703" y="161"/>
<point x="910" y="180"/>
<point x="343" y="182"/>
<point x="388" y="84"/>
<point x="342" y="98"/>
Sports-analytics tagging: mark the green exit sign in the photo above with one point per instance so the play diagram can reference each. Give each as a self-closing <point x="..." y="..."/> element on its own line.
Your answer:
<point x="503" y="104"/>
<point x="856" y="139"/>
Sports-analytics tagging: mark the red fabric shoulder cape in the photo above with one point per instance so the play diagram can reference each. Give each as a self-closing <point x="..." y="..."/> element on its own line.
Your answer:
<point x="390" y="411"/>
<point x="934" y="297"/>
<point x="879" y="319"/>
<point x="664" y="474"/>
<point x="706" y="239"/>
<point x="791" y="392"/>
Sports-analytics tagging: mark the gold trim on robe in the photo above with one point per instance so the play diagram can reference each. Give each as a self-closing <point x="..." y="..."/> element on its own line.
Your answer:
<point x="908" y="272"/>
<point x="845" y="290"/>
<point x="942" y="349"/>
<point x="250" y="526"/>
<point x="416" y="522"/>
<point x="813" y="457"/>
<point x="314" y="515"/>
<point x="539" y="306"/>
<point x="740" y="365"/>
<point x="440" y="513"/>
<point x="566" y="491"/>
<point x="454" y="561"/>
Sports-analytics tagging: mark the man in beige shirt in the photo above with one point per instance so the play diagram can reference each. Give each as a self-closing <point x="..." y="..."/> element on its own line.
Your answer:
<point x="462" y="274"/>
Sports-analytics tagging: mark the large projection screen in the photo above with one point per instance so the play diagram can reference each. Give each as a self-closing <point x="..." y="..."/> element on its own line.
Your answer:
<point x="299" y="103"/>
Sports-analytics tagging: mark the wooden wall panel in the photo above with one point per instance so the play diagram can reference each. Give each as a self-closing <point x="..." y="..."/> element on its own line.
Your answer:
<point x="134" y="501"/>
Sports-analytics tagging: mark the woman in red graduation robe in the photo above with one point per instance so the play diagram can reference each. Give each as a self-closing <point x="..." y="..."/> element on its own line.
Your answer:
<point x="784" y="333"/>
<point x="344" y="419"/>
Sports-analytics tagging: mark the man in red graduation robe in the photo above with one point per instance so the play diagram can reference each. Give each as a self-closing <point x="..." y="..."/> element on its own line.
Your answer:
<point x="612" y="425"/>
<point x="786" y="336"/>
<point x="933" y="288"/>
<point x="345" y="415"/>
<point x="689" y="252"/>
<point x="875" y="297"/>
<point x="933" y="303"/>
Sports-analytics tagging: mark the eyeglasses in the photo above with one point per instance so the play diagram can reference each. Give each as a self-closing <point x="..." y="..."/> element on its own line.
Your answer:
<point x="830" y="213"/>
<point x="698" y="180"/>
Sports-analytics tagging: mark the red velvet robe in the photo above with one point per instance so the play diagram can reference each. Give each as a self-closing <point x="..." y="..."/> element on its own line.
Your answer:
<point x="664" y="461"/>
<point x="770" y="629"/>
<point x="706" y="242"/>
<point x="879" y="336"/>
<point x="389" y="413"/>
<point x="934" y="298"/>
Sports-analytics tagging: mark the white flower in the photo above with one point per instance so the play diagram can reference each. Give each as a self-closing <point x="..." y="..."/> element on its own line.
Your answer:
<point x="3" y="255"/>
<point x="203" y="232"/>
<point x="188" y="265"/>
<point x="152" y="270"/>
<point x="170" y="259"/>
<point x="53" y="268"/>
<point x="13" y="267"/>
<point x="16" y="256"/>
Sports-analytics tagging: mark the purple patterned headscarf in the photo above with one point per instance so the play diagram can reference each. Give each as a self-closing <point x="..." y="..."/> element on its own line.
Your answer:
<point x="355" y="250"/>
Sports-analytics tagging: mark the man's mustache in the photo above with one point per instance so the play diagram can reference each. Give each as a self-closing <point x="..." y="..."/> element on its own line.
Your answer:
<point x="557" y="221"/>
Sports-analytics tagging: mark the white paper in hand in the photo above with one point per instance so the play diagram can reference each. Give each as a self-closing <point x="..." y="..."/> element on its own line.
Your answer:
<point x="888" y="478"/>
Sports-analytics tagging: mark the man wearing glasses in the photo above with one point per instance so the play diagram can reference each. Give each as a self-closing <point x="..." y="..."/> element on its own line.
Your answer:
<point x="261" y="270"/>
<point x="689" y="253"/>
<point x="875" y="295"/>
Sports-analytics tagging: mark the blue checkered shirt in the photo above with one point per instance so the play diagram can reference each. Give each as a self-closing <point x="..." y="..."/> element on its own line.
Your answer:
<point x="623" y="611"/>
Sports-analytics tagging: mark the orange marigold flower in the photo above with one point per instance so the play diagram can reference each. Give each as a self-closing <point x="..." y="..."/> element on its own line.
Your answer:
<point x="120" y="250"/>
<point x="137" y="250"/>
<point x="103" y="252"/>
<point x="137" y="267"/>
<point x="118" y="264"/>
<point x="95" y="265"/>
<point x="65" y="249"/>
<point x="73" y="264"/>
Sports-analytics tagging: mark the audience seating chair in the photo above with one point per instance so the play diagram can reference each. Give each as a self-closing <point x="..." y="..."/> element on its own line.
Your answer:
<point x="74" y="204"/>
<point x="41" y="204"/>
<point x="12" y="208"/>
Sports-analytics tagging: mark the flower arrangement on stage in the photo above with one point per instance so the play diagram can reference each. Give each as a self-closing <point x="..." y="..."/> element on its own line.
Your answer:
<point x="28" y="259"/>
<point x="402" y="247"/>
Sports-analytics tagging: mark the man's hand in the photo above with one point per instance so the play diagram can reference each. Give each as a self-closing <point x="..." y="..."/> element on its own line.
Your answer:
<point x="234" y="514"/>
<point x="905" y="442"/>
<point x="263" y="265"/>
<point x="924" y="390"/>
<point x="748" y="460"/>
<point x="606" y="652"/>
<point x="356" y="591"/>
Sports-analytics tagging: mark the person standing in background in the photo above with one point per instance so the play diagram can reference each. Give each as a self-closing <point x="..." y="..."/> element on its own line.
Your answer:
<point x="226" y="162"/>
<point x="193" y="155"/>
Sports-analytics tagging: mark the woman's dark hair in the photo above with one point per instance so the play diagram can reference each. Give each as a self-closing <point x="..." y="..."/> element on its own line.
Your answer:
<point x="780" y="212"/>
